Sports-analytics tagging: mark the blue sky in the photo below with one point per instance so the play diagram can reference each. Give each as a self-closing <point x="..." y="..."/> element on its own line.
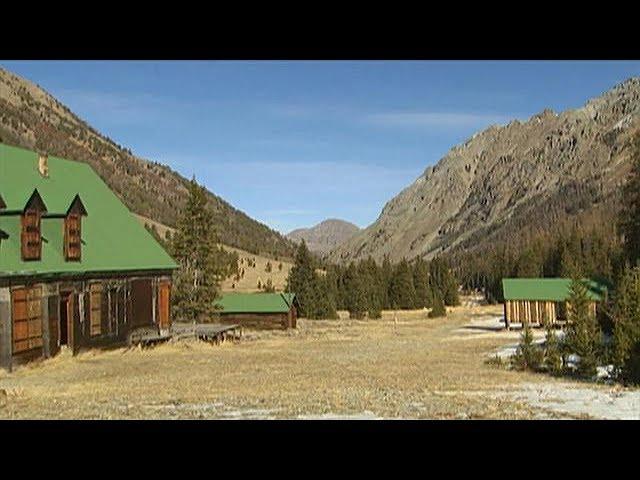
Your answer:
<point x="293" y="143"/>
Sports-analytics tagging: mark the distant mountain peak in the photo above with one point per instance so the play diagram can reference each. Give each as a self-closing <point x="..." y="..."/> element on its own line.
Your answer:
<point x="325" y="236"/>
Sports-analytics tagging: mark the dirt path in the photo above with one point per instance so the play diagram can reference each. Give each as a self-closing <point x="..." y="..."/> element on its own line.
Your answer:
<point x="415" y="368"/>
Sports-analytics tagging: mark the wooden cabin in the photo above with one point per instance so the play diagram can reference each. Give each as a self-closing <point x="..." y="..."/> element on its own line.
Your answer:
<point x="77" y="270"/>
<point x="259" y="310"/>
<point x="538" y="301"/>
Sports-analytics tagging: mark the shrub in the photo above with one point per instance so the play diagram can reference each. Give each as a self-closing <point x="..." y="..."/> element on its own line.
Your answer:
<point x="528" y="356"/>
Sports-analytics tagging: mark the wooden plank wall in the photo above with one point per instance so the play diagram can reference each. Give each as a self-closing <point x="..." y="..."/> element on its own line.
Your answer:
<point x="531" y="312"/>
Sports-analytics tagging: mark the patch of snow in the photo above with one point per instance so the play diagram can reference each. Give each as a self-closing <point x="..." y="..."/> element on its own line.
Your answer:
<point x="366" y="415"/>
<point x="614" y="404"/>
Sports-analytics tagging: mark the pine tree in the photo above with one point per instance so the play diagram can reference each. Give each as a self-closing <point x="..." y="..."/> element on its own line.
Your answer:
<point x="583" y="336"/>
<point x="268" y="286"/>
<point x="630" y="215"/>
<point x="202" y="262"/>
<point x="402" y="292"/>
<point x="528" y="356"/>
<point x="529" y="265"/>
<point x="303" y="282"/>
<point x="374" y="287"/>
<point x="356" y="301"/>
<point x="441" y="278"/>
<point x="421" y="283"/>
<point x="438" y="309"/>
<point x="386" y="274"/>
<point x="553" y="362"/>
<point x="326" y="305"/>
<point x="626" y="327"/>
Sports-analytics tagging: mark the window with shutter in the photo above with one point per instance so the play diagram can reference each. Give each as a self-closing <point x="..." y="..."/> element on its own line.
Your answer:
<point x="31" y="236"/>
<point x="95" y="312"/>
<point x="73" y="237"/>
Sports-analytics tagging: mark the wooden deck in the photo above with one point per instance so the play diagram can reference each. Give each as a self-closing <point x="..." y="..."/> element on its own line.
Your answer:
<point x="210" y="332"/>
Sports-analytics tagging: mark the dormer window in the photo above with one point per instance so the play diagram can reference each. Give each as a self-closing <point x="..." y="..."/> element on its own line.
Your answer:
<point x="73" y="230"/>
<point x="31" y="237"/>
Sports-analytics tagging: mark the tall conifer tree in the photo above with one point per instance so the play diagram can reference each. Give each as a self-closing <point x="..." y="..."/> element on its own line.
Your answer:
<point x="202" y="261"/>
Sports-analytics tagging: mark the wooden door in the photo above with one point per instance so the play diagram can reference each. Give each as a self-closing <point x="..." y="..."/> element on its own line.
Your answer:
<point x="164" y="296"/>
<point x="26" y="305"/>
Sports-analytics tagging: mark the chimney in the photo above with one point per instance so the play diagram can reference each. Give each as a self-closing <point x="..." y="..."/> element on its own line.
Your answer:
<point x="43" y="164"/>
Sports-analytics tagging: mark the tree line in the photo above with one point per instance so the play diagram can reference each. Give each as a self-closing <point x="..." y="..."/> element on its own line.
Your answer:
<point x="366" y="288"/>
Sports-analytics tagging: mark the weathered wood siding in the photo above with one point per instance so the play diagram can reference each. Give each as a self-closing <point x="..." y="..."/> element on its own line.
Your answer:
<point x="258" y="321"/>
<point x="102" y="313"/>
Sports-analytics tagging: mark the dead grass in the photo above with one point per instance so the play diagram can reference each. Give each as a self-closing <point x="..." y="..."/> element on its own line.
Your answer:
<point x="331" y="369"/>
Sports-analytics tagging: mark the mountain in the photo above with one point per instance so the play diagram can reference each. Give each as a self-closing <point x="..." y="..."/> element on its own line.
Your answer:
<point x="31" y="118"/>
<point x="507" y="180"/>
<point x="324" y="236"/>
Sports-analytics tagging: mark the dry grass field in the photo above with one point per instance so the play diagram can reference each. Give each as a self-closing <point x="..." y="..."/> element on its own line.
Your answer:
<point x="402" y="366"/>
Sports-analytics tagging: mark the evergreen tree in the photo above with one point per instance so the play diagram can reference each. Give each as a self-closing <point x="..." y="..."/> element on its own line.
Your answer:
<point x="421" y="283"/>
<point x="402" y="292"/>
<point x="441" y="278"/>
<point x="386" y="274"/>
<point x="626" y="326"/>
<point x="303" y="282"/>
<point x="553" y="362"/>
<point x="528" y="356"/>
<point x="356" y="301"/>
<point x="583" y="332"/>
<point x="630" y="215"/>
<point x="529" y="265"/>
<point x="326" y="305"/>
<point x="438" y="309"/>
<point x="202" y="261"/>
<point x="268" y="286"/>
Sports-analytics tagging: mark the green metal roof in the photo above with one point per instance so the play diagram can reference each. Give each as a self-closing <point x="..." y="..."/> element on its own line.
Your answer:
<point x="547" y="289"/>
<point x="256" y="302"/>
<point x="112" y="239"/>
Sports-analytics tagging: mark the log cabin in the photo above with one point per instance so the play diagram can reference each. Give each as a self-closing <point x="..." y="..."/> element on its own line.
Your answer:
<point x="259" y="310"/>
<point x="539" y="301"/>
<point x="77" y="270"/>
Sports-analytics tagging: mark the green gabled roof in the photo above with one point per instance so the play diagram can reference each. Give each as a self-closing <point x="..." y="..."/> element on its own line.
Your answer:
<point x="547" y="289"/>
<point x="255" y="302"/>
<point x="112" y="239"/>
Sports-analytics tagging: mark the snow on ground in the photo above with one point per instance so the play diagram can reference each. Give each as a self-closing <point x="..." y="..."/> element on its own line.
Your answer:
<point x="594" y="401"/>
<point x="366" y="415"/>
<point x="600" y="403"/>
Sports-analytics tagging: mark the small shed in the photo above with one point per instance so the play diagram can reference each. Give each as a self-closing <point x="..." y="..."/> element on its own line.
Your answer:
<point x="259" y="310"/>
<point x="542" y="300"/>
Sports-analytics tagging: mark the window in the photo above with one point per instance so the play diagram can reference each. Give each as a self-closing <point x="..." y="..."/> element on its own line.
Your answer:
<point x="31" y="240"/>
<point x="73" y="230"/>
<point x="27" y="319"/>
<point x="31" y="237"/>
<point x="95" y="312"/>
<point x="72" y="237"/>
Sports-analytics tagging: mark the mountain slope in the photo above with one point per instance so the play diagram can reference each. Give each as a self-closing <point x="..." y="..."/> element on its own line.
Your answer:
<point x="31" y="118"/>
<point x="324" y="236"/>
<point x="523" y="174"/>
